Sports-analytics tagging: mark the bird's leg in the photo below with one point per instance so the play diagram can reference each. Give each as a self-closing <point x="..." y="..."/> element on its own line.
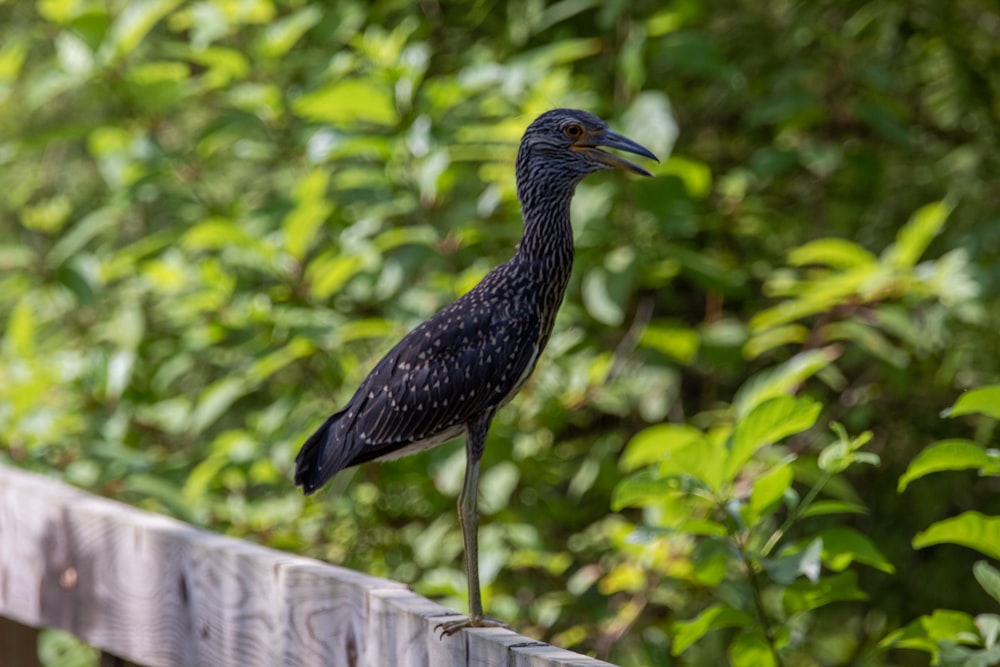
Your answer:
<point x="468" y="517"/>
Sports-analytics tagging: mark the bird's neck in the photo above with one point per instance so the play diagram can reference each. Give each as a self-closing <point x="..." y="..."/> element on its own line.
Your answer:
<point x="548" y="234"/>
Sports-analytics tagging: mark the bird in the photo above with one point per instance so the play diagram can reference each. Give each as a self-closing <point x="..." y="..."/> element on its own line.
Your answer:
<point x="450" y="374"/>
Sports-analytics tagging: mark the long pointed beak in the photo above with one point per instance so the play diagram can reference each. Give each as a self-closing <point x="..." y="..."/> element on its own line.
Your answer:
<point x="592" y="146"/>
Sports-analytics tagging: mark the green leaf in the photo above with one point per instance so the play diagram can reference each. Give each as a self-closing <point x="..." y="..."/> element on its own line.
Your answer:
<point x="768" y="339"/>
<point x="312" y="209"/>
<point x="770" y="488"/>
<point x="988" y="577"/>
<point x="954" y="454"/>
<point x="985" y="400"/>
<point x="215" y="400"/>
<point x="969" y="529"/>
<point x="135" y="22"/>
<point x="914" y="237"/>
<point x="281" y="35"/>
<point x="271" y="363"/>
<point x="348" y="101"/>
<point x="21" y="335"/>
<point x="329" y="272"/>
<point x="832" y="252"/>
<point x="213" y="233"/>
<point x="12" y="58"/>
<point x="815" y="296"/>
<point x="679" y="343"/>
<point x="842" y="453"/>
<point x="750" y="650"/>
<point x="655" y="443"/>
<point x="782" y="379"/>
<point x="989" y="628"/>
<point x="924" y="633"/>
<point x="804" y="595"/>
<point x="786" y="568"/>
<point x="599" y="299"/>
<point x="716" y="617"/>
<point x="642" y="489"/>
<point x="696" y="176"/>
<point x="825" y="507"/>
<point x="711" y="562"/>
<point x="705" y="527"/>
<point x="769" y="422"/>
<point x="843" y="546"/>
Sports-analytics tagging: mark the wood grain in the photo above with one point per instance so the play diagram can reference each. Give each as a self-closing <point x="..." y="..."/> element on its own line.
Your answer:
<point x="158" y="592"/>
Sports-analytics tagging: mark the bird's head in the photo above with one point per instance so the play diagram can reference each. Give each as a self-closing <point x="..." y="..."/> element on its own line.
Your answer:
<point x="567" y="144"/>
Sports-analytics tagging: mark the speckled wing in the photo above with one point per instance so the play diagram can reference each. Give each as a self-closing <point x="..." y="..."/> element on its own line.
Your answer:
<point x="467" y="359"/>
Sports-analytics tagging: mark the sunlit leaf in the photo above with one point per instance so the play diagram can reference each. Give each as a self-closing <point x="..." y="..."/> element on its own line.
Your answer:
<point x="705" y="527"/>
<point x="696" y="176"/>
<point x="278" y="359"/>
<point x="281" y="35"/>
<point x="969" y="529"/>
<point x="329" y="272"/>
<point x="676" y="342"/>
<point x="816" y="296"/>
<point x="20" y="337"/>
<point x="985" y="400"/>
<point x="215" y="400"/>
<point x="311" y="210"/>
<point x="794" y="563"/>
<point x="914" y="237"/>
<point x="925" y="632"/>
<point x="496" y="486"/>
<point x="642" y="489"/>
<point x="599" y="300"/>
<point x="826" y="507"/>
<point x="782" y="379"/>
<point x="135" y="22"/>
<point x="843" y="452"/>
<point x="954" y="454"/>
<point x="769" y="488"/>
<point x="12" y="56"/>
<point x="869" y="339"/>
<point x="769" y="422"/>
<point x="625" y="576"/>
<point x="988" y="577"/>
<point x="843" y="546"/>
<point x="348" y="101"/>
<point x="655" y="443"/>
<point x="214" y="233"/>
<point x="716" y="617"/>
<point x="833" y="252"/>
<point x="749" y="649"/>
<point x="651" y="117"/>
<point x="804" y="595"/>
<point x="768" y="339"/>
<point x="711" y="562"/>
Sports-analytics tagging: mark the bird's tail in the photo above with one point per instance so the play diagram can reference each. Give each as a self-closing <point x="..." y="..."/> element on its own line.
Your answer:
<point x="318" y="460"/>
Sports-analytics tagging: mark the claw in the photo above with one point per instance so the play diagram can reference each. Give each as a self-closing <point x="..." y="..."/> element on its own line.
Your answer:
<point x="451" y="627"/>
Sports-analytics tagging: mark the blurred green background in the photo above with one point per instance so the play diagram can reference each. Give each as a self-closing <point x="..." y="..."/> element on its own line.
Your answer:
<point x="215" y="216"/>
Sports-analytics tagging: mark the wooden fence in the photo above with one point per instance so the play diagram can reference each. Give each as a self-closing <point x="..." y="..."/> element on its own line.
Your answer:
<point x="149" y="590"/>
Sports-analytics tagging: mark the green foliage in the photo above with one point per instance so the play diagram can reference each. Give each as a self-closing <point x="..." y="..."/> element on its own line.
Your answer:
<point x="730" y="524"/>
<point x="215" y="216"/>
<point x="954" y="637"/>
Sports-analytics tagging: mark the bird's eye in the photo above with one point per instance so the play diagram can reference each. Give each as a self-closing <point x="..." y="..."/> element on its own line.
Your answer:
<point x="573" y="131"/>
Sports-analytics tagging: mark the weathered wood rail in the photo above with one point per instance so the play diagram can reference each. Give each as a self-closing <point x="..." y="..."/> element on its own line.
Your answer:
<point x="150" y="590"/>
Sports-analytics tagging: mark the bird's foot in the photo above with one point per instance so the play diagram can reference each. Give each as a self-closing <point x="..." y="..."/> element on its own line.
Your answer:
<point x="451" y="627"/>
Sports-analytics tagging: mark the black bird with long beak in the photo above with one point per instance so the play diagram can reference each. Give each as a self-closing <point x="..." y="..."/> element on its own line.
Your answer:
<point x="453" y="372"/>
